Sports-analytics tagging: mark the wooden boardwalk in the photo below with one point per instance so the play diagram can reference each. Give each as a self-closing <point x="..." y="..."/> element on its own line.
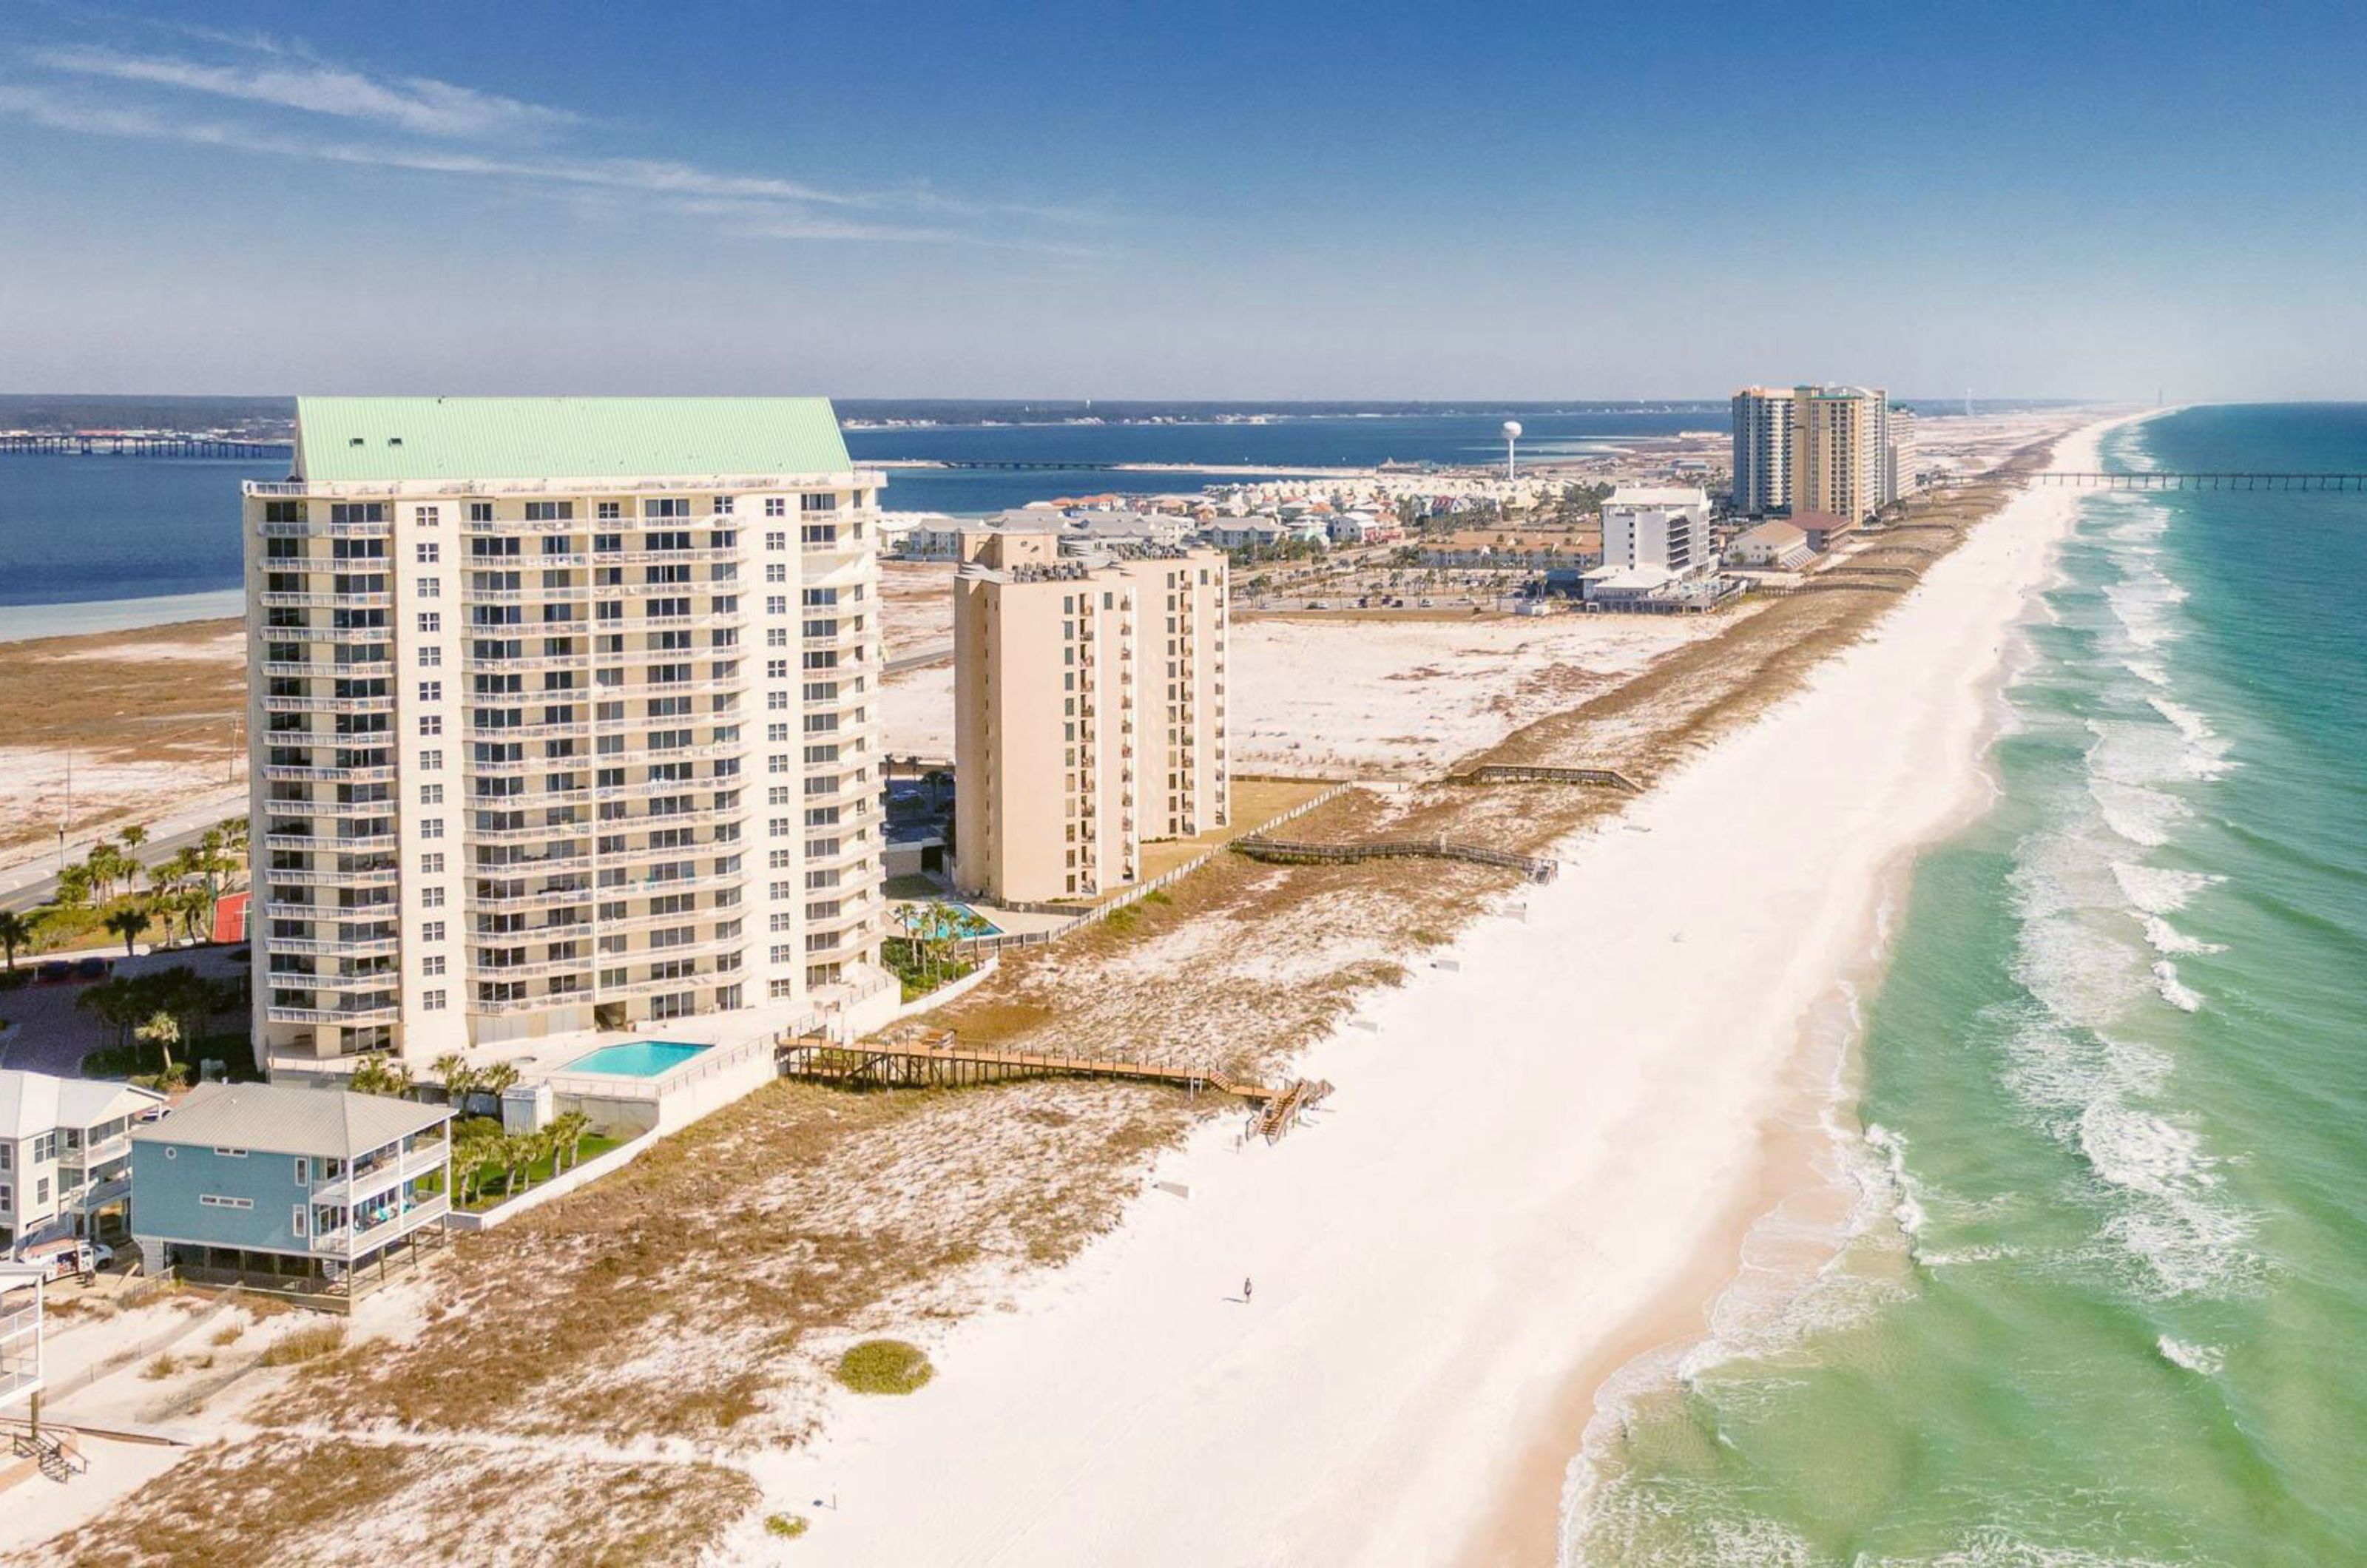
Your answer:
<point x="1514" y="772"/>
<point x="913" y="1058"/>
<point x="1258" y="847"/>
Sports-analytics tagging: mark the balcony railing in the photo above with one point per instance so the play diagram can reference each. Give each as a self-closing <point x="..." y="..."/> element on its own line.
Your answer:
<point x="361" y="1184"/>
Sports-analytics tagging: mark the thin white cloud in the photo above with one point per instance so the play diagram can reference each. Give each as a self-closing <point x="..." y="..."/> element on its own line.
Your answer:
<point x="419" y="104"/>
<point x="757" y="207"/>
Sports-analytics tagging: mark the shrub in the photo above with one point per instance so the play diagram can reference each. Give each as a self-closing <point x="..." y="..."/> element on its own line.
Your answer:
<point x="163" y="1366"/>
<point x="885" y="1366"/>
<point x="788" y="1526"/>
<point x="228" y="1334"/>
<point x="305" y="1345"/>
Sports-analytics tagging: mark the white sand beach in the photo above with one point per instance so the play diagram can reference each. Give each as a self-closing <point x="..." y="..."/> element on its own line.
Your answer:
<point x="1537" y="1161"/>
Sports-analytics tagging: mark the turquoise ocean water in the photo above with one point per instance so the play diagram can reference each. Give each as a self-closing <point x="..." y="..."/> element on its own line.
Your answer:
<point x="2103" y="1296"/>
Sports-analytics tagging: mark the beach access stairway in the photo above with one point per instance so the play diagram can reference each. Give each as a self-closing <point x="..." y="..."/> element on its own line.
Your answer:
<point x="50" y="1452"/>
<point x="927" y="1059"/>
<point x="1257" y="846"/>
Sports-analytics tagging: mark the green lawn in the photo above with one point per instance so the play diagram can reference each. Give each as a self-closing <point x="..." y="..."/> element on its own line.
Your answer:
<point x="912" y="885"/>
<point x="494" y="1188"/>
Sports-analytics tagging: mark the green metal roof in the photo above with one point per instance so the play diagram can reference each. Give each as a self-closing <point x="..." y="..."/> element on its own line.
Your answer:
<point x="359" y="440"/>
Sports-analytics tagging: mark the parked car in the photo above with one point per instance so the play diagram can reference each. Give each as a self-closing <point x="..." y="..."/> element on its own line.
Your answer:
<point x="54" y="970"/>
<point x="93" y="968"/>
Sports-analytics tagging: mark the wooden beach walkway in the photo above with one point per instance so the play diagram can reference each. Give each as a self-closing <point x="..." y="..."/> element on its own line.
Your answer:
<point x="913" y="1058"/>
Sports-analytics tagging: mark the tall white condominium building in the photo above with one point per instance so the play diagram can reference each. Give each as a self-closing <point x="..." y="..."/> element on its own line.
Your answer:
<point x="1762" y="449"/>
<point x="564" y="715"/>
<point x="1089" y="685"/>
<point x="1899" y="464"/>
<point x="1665" y="529"/>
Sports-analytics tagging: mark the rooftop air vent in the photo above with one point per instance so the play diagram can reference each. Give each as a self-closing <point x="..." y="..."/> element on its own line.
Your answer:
<point x="354" y="441"/>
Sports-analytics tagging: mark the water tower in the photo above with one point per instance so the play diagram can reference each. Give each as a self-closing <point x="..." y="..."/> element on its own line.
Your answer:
<point x="1511" y="441"/>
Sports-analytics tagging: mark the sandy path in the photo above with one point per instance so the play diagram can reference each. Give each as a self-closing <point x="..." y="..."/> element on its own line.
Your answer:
<point x="1526" y="1153"/>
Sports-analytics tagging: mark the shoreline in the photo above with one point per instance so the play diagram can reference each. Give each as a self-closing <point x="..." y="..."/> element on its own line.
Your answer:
<point x="1804" y="1129"/>
<point x="1533" y="1148"/>
<point x="34" y="623"/>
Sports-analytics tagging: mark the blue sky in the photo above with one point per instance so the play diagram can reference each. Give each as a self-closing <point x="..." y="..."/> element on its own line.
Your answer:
<point x="1226" y="201"/>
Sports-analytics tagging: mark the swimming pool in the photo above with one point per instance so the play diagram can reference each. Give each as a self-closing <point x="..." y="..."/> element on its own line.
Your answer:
<point x="923" y="916"/>
<point x="636" y="1059"/>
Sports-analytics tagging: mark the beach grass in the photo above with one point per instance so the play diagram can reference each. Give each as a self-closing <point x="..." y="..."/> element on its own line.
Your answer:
<point x="885" y="1366"/>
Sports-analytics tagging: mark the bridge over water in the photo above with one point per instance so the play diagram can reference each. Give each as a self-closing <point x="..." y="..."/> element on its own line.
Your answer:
<point x="2207" y="480"/>
<point x="123" y="444"/>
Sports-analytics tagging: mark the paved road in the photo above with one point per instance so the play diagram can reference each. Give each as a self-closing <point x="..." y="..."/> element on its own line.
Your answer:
<point x="915" y="660"/>
<point x="29" y="887"/>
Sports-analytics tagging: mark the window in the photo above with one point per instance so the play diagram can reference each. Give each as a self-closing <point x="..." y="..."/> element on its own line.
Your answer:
<point x="303" y="1171"/>
<point x="429" y="588"/>
<point x="431" y="795"/>
<point x="431" y="897"/>
<point x="215" y="1200"/>
<point x="776" y="541"/>
<point x="42" y="1190"/>
<point x="775" y="506"/>
<point x="549" y="511"/>
<point x="432" y="931"/>
<point x="776" y="571"/>
<point x="431" y="724"/>
<point x="431" y="691"/>
<point x="431" y="827"/>
<point x="431" y="658"/>
<point x="427" y="516"/>
<point x="431" y="761"/>
<point x="432" y="1000"/>
<point x="723" y="505"/>
<point x="432" y="864"/>
<point x="303" y="1213"/>
<point x="230" y="1154"/>
<point x="481" y="511"/>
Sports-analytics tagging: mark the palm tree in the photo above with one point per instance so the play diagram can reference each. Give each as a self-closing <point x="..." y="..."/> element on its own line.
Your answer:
<point x="128" y="923"/>
<point x="567" y="1131"/>
<point x="162" y="1031"/>
<point x="375" y="1074"/>
<point x="115" y="1003"/>
<point x="134" y="836"/>
<point x="458" y="1079"/>
<point x="16" y="931"/>
<point x="74" y="887"/>
<point x="497" y="1079"/>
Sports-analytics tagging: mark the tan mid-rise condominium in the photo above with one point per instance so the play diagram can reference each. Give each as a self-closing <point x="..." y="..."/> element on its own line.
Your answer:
<point x="1840" y="456"/>
<point x="1090" y="709"/>
<point x="564" y="716"/>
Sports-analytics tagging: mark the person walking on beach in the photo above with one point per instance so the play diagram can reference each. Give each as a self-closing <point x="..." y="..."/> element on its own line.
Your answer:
<point x="1245" y="1290"/>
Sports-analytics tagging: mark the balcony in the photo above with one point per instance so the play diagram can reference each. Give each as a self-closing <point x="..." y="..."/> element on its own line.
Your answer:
<point x="524" y="661"/>
<point x="538" y="969"/>
<point x="278" y="772"/>
<point x="398" y="1224"/>
<point x="359" y="669"/>
<point x="330" y="947"/>
<point x="278" y="806"/>
<point x="550" y="899"/>
<point x="377" y="876"/>
<point x="366" y="1179"/>
<point x="388" y="1014"/>
<point x="357" y="600"/>
<point x="326" y="844"/>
